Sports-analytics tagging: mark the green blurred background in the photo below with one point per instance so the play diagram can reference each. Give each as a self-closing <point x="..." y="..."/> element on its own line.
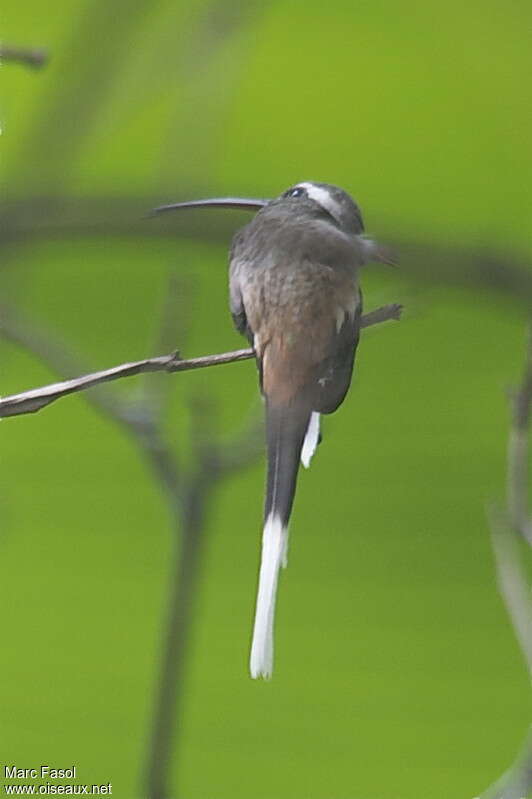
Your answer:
<point x="397" y="673"/>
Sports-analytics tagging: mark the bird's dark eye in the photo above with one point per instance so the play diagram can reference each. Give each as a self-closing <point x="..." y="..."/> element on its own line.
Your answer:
<point x="297" y="192"/>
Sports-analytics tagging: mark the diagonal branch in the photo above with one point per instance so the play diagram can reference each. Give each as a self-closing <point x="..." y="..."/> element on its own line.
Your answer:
<point x="38" y="398"/>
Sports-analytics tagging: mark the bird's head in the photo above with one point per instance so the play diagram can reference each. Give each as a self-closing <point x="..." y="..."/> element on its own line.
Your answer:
<point x="336" y="202"/>
<point x="305" y="195"/>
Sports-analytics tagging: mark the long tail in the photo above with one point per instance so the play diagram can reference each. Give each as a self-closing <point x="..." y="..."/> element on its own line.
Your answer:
<point x="285" y="433"/>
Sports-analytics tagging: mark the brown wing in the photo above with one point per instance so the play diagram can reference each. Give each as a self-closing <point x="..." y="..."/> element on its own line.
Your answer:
<point x="294" y="294"/>
<point x="336" y="370"/>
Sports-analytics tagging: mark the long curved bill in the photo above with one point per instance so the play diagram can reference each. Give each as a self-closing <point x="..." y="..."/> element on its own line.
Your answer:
<point x="241" y="203"/>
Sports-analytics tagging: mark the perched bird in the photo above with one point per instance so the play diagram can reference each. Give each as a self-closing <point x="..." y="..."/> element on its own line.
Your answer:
<point x="294" y="294"/>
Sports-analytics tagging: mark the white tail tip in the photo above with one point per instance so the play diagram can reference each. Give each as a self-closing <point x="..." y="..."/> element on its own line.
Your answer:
<point x="312" y="437"/>
<point x="274" y="544"/>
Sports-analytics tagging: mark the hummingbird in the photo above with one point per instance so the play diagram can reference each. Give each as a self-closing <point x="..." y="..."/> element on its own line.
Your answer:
<point x="294" y="294"/>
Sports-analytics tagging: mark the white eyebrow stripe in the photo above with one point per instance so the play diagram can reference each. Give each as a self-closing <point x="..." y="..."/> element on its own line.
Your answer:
<point x="322" y="197"/>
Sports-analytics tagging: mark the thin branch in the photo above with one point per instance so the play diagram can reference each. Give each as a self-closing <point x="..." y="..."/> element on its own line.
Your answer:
<point x="34" y="400"/>
<point x="383" y="314"/>
<point x="512" y="580"/>
<point x="140" y="420"/>
<point x="510" y="528"/>
<point x="62" y="360"/>
<point x="517" y="484"/>
<point x="35" y="57"/>
<point x="38" y="398"/>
